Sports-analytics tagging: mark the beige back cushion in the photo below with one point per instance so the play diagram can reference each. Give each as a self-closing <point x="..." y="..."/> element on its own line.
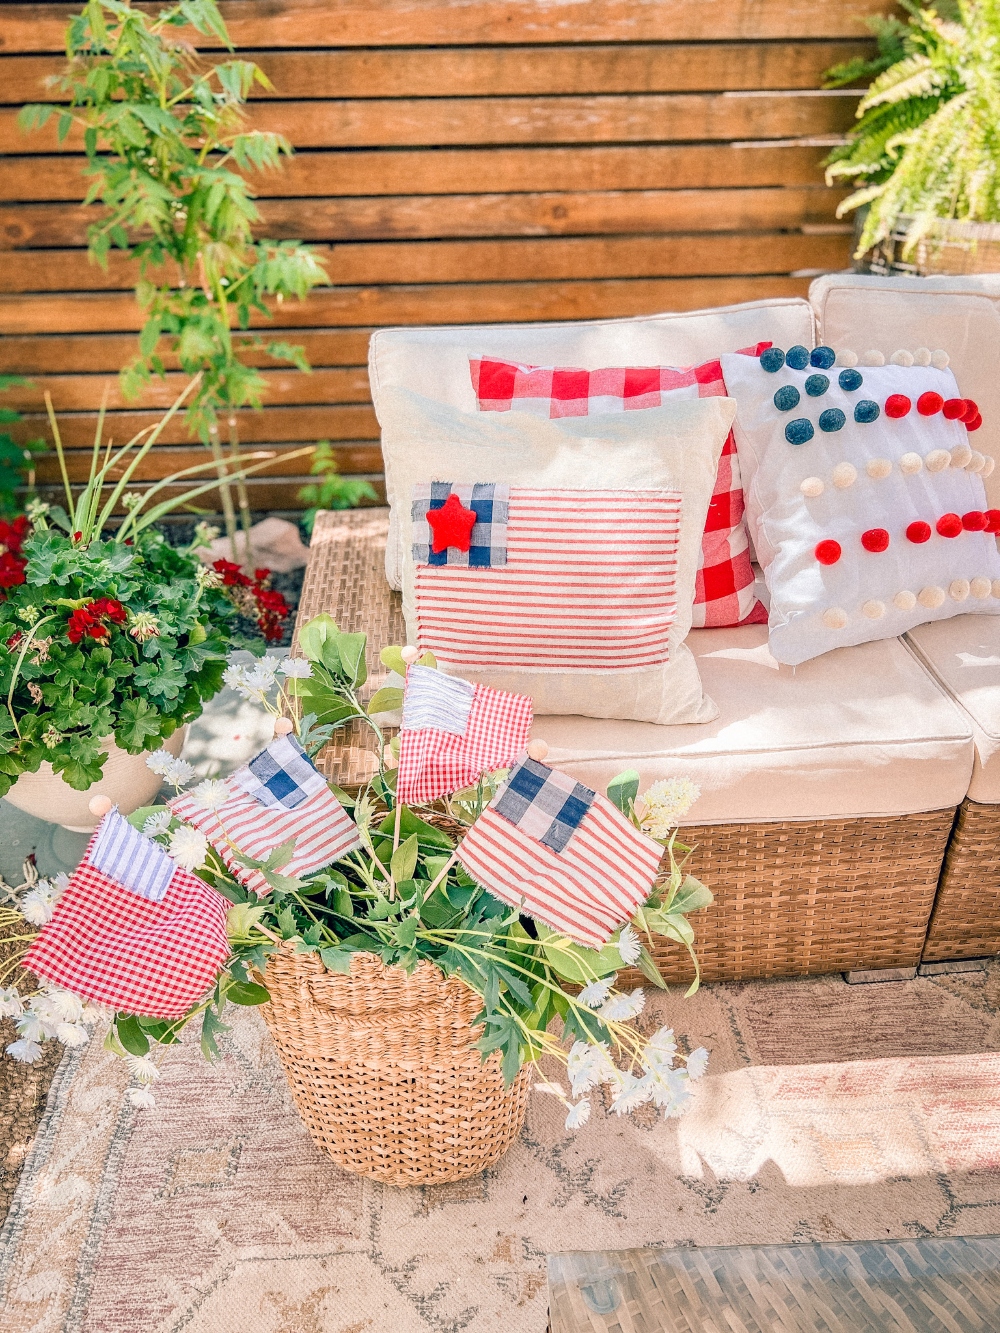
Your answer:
<point x="435" y="362"/>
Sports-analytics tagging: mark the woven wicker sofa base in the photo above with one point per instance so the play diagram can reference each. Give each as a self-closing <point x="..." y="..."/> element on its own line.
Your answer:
<point x="966" y="918"/>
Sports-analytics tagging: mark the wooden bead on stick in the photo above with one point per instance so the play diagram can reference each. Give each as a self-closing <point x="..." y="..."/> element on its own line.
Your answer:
<point x="283" y="726"/>
<point x="100" y="805"/>
<point x="537" y="750"/>
<point x="409" y="654"/>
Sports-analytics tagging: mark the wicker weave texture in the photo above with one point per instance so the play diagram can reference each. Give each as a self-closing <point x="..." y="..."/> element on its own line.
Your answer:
<point x="382" y="1071"/>
<point x="966" y="918"/>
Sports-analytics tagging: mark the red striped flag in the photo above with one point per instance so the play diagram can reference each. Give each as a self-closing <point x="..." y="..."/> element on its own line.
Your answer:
<point x="583" y="579"/>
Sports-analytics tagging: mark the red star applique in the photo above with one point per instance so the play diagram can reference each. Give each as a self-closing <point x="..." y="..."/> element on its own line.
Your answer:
<point x="451" y="525"/>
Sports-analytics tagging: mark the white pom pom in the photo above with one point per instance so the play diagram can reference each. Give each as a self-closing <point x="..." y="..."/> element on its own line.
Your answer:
<point x="904" y="600"/>
<point x="988" y="466"/>
<point x="409" y="654"/>
<point x="873" y="358"/>
<point x="812" y="486"/>
<point x="976" y="463"/>
<point x="835" y="618"/>
<point x="910" y="464"/>
<point x="958" y="589"/>
<point x="902" y="358"/>
<point x="283" y="726"/>
<point x="847" y="358"/>
<point x="937" y="460"/>
<point x="922" y="356"/>
<point x="538" y="750"/>
<point x="931" y="597"/>
<point x="844" y="475"/>
<point x="877" y="468"/>
<point x="961" y="455"/>
<point x="100" y="805"/>
<point x="980" y="588"/>
<point x="940" y="359"/>
<point x="873" y="610"/>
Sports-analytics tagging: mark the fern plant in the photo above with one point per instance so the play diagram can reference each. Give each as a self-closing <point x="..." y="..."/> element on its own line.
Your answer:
<point x="927" y="142"/>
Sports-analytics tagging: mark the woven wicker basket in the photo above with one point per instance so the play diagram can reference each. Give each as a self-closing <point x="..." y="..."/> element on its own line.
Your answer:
<point x="382" y="1070"/>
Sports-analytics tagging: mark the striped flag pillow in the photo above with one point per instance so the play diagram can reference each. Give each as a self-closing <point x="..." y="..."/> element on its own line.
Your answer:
<point x="724" y="592"/>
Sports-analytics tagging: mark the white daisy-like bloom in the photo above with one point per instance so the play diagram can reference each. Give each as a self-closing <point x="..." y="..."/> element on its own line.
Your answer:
<point x="142" y="1068"/>
<point x="142" y="1098"/>
<point x="661" y="1047"/>
<point x="72" y="1034"/>
<point x="211" y="793"/>
<point x="33" y="1028"/>
<point x="596" y="993"/>
<point x="11" y="1004"/>
<point x="233" y="676"/>
<point x="179" y="772"/>
<point x="55" y="1004"/>
<point x="697" y="1062"/>
<point x="620" y="1008"/>
<point x="629" y="945"/>
<point x="664" y="804"/>
<point x="579" y="1114"/>
<point x="670" y="1091"/>
<point x="633" y="1092"/>
<point x="60" y="882"/>
<point x="94" y="1013"/>
<point x="157" y="824"/>
<point x="297" y="668"/>
<point x="188" y="847"/>
<point x="37" y="904"/>
<point x="587" y="1065"/>
<point x="159" y="761"/>
<point x="553" y="1089"/>
<point x="24" y="1051"/>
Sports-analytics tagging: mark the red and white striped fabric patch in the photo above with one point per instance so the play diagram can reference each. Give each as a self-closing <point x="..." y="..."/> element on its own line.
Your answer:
<point x="112" y="945"/>
<point x="724" y="586"/>
<point x="322" y="829"/>
<point x="589" y="584"/>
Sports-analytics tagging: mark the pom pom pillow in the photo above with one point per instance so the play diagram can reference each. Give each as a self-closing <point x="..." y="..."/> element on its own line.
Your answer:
<point x="864" y="493"/>
<point x="557" y="559"/>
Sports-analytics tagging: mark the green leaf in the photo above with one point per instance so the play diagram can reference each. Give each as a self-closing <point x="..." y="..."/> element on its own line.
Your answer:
<point x="138" y="817"/>
<point x="248" y="993"/>
<point x="337" y="960"/>
<point x="623" y="789"/>
<point x="287" y="924"/>
<point x="138" y="722"/>
<point x="212" y="1026"/>
<point x="573" y="962"/>
<point x="648" y="968"/>
<point x="386" y="700"/>
<point x="352" y="658"/>
<point x="131" y="1035"/>
<point x="315" y="633"/>
<point x="410" y="824"/>
<point x="404" y="859"/>
<point x="692" y="896"/>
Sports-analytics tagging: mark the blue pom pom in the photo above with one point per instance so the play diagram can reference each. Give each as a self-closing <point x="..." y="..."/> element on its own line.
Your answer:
<point x="849" y="380"/>
<point x="772" y="359"/>
<point x="799" y="431"/>
<point x="822" y="357"/>
<point x="866" y="410"/>
<point x="797" y="357"/>
<point x="817" y="385"/>
<point x="832" y="419"/>
<point x="786" y="398"/>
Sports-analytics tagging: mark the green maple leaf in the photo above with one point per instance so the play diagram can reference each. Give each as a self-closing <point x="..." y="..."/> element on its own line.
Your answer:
<point x="138" y="721"/>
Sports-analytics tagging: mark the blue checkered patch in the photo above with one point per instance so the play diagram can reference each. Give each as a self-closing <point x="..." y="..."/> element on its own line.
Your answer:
<point x="282" y="775"/>
<point x="488" y="547"/>
<point x="545" y="804"/>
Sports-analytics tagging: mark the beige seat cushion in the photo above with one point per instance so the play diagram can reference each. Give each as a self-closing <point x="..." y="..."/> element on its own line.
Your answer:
<point x="858" y="731"/>
<point x="964" y="655"/>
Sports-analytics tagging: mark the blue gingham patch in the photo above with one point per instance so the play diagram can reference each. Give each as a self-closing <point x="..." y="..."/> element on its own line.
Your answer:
<point x="435" y="700"/>
<point x="545" y="804"/>
<point x="490" y="500"/>
<point x="282" y="775"/>
<point x="133" y="861"/>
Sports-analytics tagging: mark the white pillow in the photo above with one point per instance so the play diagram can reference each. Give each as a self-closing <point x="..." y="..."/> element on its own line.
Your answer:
<point x="865" y="487"/>
<point x="665" y="457"/>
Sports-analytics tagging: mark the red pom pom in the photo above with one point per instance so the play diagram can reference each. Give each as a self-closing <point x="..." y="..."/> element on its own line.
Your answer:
<point x="992" y="517"/>
<point x="828" y="552"/>
<point x="930" y="402"/>
<point x="954" y="409"/>
<point x="974" y="423"/>
<point x="897" y="405"/>
<point x="949" y="525"/>
<point x="971" y="409"/>
<point x="974" y="521"/>
<point x="919" y="532"/>
<point x="875" y="540"/>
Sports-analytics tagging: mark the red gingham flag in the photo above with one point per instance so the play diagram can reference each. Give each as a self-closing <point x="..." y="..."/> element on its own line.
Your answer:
<point x="724" y="586"/>
<point x="453" y="732"/>
<point x="580" y="579"/>
<point x="561" y="853"/>
<point x="110" y="943"/>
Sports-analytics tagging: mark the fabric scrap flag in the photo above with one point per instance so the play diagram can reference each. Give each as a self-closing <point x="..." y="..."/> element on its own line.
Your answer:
<point x="562" y="853"/>
<point x="453" y="732"/>
<point x="133" y="929"/>
<point x="278" y="795"/>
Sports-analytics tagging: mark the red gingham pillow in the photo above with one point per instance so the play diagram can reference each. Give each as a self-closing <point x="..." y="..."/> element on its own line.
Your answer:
<point x="724" y="587"/>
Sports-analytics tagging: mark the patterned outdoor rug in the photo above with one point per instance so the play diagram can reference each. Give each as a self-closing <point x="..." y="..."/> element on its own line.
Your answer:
<point x="831" y="1113"/>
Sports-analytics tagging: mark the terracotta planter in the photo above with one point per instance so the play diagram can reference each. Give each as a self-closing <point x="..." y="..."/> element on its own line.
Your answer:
<point x="125" y="779"/>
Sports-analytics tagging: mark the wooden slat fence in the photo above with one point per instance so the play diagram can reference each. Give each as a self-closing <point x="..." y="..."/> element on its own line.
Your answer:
<point x="458" y="160"/>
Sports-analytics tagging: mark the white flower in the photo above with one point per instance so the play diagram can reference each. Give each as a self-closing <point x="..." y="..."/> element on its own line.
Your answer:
<point x="93" y="1013"/>
<point x="670" y="1090"/>
<point x="211" y="793"/>
<point x="159" y="761"/>
<point x="296" y="667"/>
<point x="632" y="1092"/>
<point x="578" y="1114"/>
<point x="55" y="1004"/>
<point x="142" y="1068"/>
<point x="72" y="1034"/>
<point x="26" y="1052"/>
<point x="697" y="1062"/>
<point x="36" y="905"/>
<point x="664" y="804"/>
<point x="233" y="676"/>
<point x="620" y="1008"/>
<point x="629" y="945"/>
<point x="188" y="847"/>
<point x="157" y="824"/>
<point x="178" y="772"/>
<point x="33" y="1028"/>
<point x="661" y="1048"/>
<point x="60" y="882"/>
<point x="587" y="1065"/>
<point x="596" y="993"/>
<point x="142" y="1098"/>
<point x="11" y="1004"/>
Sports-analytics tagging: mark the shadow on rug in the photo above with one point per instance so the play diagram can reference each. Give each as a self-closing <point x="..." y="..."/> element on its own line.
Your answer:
<point x="830" y="1113"/>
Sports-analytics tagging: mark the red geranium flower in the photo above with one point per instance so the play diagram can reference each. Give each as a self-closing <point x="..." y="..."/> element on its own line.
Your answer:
<point x="12" y="562"/>
<point x="91" y="620"/>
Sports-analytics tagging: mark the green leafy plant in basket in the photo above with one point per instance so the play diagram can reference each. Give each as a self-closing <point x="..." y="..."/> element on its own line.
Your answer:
<point x="404" y="897"/>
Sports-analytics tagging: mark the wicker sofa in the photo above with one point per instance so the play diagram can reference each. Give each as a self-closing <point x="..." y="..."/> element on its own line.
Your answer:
<point x="832" y="793"/>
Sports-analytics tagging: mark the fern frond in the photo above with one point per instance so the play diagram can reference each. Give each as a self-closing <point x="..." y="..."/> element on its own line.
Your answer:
<point x="915" y="76"/>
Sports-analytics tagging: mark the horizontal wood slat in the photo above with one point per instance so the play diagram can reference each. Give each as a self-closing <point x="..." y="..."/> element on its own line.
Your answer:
<point x="302" y="425"/>
<point x="163" y="462"/>
<point x="73" y="393"/>
<point x="279" y="493"/>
